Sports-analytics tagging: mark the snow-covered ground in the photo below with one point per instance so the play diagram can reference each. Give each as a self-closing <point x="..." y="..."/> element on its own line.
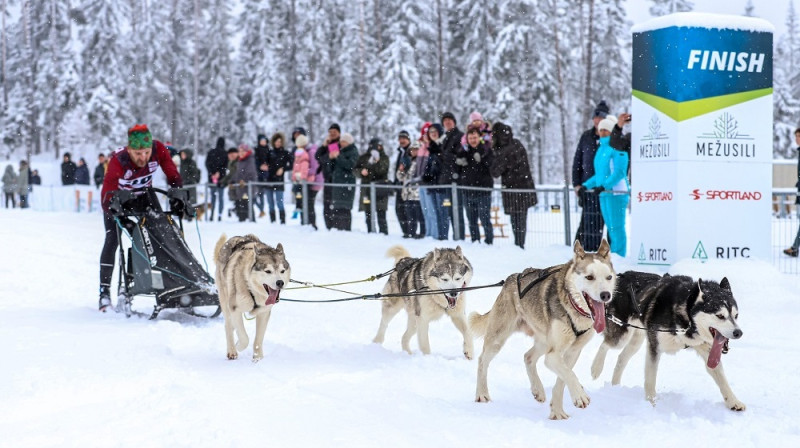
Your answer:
<point x="71" y="376"/>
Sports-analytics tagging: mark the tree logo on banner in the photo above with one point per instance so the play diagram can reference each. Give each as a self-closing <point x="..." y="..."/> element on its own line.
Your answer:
<point x="642" y="255"/>
<point x="700" y="252"/>
<point x="654" y="129"/>
<point x="726" y="127"/>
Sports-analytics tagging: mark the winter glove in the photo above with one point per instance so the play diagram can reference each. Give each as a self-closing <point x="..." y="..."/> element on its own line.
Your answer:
<point x="461" y="161"/>
<point x="177" y="206"/>
<point x="477" y="157"/>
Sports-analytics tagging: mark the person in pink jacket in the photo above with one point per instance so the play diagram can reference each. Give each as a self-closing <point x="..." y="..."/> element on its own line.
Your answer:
<point x="305" y="169"/>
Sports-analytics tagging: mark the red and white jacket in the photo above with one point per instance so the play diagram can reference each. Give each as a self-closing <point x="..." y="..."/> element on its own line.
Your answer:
<point x="122" y="174"/>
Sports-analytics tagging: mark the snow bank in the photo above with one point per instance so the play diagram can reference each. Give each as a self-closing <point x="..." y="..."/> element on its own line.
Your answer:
<point x="705" y="20"/>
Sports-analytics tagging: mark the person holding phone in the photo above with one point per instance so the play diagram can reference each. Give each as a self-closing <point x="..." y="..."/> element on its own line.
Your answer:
<point x="328" y="151"/>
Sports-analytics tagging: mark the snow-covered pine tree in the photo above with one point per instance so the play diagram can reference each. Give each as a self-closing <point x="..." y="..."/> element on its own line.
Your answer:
<point x="104" y="74"/>
<point x="255" y="68"/>
<point x="612" y="55"/>
<point x="216" y="95"/>
<point x="786" y="87"/>
<point x="664" y="7"/>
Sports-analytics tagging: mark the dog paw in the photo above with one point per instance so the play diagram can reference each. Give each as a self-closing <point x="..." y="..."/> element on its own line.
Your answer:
<point x="596" y="371"/>
<point x="377" y="340"/>
<point x="232" y="356"/>
<point x="483" y="398"/>
<point x="735" y="405"/>
<point x="468" y="354"/>
<point x="539" y="395"/>
<point x="558" y="414"/>
<point x="581" y="401"/>
<point x="651" y="399"/>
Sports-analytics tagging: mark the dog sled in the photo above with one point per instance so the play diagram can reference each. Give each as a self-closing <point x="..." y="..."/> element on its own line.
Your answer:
<point x="156" y="261"/>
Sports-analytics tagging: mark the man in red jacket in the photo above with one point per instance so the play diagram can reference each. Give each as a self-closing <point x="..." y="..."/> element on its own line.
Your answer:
<point x="131" y="168"/>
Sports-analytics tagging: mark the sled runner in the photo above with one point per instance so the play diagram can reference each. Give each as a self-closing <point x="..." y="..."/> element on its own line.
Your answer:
<point x="158" y="261"/>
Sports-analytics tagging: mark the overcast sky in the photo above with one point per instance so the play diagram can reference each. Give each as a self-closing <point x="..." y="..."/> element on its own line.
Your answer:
<point x="773" y="11"/>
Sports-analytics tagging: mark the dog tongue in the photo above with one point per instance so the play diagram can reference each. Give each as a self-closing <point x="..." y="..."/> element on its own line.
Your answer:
<point x="716" y="350"/>
<point x="272" y="295"/>
<point x="599" y="315"/>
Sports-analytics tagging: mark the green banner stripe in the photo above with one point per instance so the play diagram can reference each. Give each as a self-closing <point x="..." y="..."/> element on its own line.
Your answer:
<point x="695" y="108"/>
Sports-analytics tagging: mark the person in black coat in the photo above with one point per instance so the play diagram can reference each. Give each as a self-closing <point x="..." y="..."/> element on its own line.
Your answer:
<point x="792" y="251"/>
<point x="510" y="164"/>
<point x="68" y="169"/>
<point x="474" y="162"/>
<point x="100" y="170"/>
<point x="590" y="229"/>
<point x="82" y="173"/>
<point x="323" y="155"/>
<point x="450" y="173"/>
<point x="262" y="154"/>
<point x="430" y="178"/>
<point x="279" y="162"/>
<point x="217" y="168"/>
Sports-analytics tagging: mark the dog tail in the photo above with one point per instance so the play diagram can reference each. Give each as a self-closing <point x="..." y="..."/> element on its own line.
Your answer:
<point x="397" y="252"/>
<point x="218" y="247"/>
<point x="478" y="323"/>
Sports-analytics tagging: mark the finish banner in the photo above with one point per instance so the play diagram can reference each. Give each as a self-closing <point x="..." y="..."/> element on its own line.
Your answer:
<point x="701" y="153"/>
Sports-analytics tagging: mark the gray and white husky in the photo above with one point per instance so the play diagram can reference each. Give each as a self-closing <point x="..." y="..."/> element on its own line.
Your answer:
<point x="679" y="313"/>
<point x="561" y="307"/>
<point x="249" y="276"/>
<point x="440" y="269"/>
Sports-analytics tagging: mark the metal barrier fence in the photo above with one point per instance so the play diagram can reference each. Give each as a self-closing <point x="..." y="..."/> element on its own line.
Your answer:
<point x="554" y="220"/>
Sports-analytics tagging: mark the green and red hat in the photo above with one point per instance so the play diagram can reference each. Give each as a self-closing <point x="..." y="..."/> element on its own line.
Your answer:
<point x="139" y="137"/>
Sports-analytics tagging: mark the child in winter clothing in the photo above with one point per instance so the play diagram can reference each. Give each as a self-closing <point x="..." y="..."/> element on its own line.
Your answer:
<point x="410" y="174"/>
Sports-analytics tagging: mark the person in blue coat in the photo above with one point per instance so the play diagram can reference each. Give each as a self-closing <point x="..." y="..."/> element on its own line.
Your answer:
<point x="611" y="179"/>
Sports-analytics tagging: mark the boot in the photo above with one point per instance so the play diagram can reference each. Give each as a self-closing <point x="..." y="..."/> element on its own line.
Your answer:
<point x="105" y="299"/>
<point x="272" y="216"/>
<point x="282" y="214"/>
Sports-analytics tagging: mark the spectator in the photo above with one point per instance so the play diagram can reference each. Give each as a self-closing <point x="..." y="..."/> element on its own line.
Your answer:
<point x="404" y="139"/>
<point x="279" y="161"/>
<point x="611" y="179"/>
<point x="23" y="185"/>
<point x="217" y="167"/>
<point x="35" y="178"/>
<point x="82" y="173"/>
<point x="10" y="186"/>
<point x="510" y="164"/>
<point x="262" y="154"/>
<point x="100" y="170"/>
<point x="426" y="203"/>
<point x="476" y="119"/>
<point x="373" y="168"/>
<point x="474" y="162"/>
<point x="409" y="174"/>
<point x="305" y="169"/>
<point x="341" y="165"/>
<point x="68" y="169"/>
<point x="190" y="174"/>
<point x="451" y="147"/>
<point x="791" y="251"/>
<point x="590" y="229"/>
<point x="245" y="173"/>
<point x="431" y="176"/>
<point x="325" y="154"/>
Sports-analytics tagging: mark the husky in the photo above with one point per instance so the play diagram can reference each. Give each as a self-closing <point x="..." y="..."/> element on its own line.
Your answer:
<point x="558" y="307"/>
<point x="249" y="276"/>
<point x="440" y="269"/>
<point x="624" y="314"/>
<point x="680" y="313"/>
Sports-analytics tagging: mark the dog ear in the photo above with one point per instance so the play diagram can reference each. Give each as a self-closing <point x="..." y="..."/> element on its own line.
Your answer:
<point x="279" y="248"/>
<point x="458" y="252"/>
<point x="604" y="249"/>
<point x="435" y="254"/>
<point x="578" y="250"/>
<point x="725" y="284"/>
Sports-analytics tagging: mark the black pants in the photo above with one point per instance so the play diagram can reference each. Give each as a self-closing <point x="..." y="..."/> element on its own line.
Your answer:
<point x="519" y="223"/>
<point x="109" y="250"/>
<point x="312" y="214"/>
<point x="328" y="215"/>
<point x="341" y="218"/>
<point x="382" y="226"/>
<point x="23" y="201"/>
<point x="590" y="229"/>
<point x="400" y="210"/>
<point x="413" y="215"/>
<point x="10" y="197"/>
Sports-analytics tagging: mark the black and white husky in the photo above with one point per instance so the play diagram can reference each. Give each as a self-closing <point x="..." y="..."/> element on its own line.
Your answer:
<point x="679" y="313"/>
<point x="439" y="270"/>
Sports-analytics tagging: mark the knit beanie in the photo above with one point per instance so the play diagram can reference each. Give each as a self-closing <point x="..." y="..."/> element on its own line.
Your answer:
<point x="404" y="134"/>
<point x="301" y="141"/>
<point x="601" y="110"/>
<point x="607" y="123"/>
<point x="335" y="126"/>
<point x="475" y="116"/>
<point x="139" y="137"/>
<point x="450" y="116"/>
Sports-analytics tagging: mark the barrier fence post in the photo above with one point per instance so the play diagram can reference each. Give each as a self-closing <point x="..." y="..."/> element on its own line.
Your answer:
<point x="567" y="213"/>
<point x="373" y="207"/>
<point x="250" y="201"/>
<point x="454" y="210"/>
<point x="304" y="199"/>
